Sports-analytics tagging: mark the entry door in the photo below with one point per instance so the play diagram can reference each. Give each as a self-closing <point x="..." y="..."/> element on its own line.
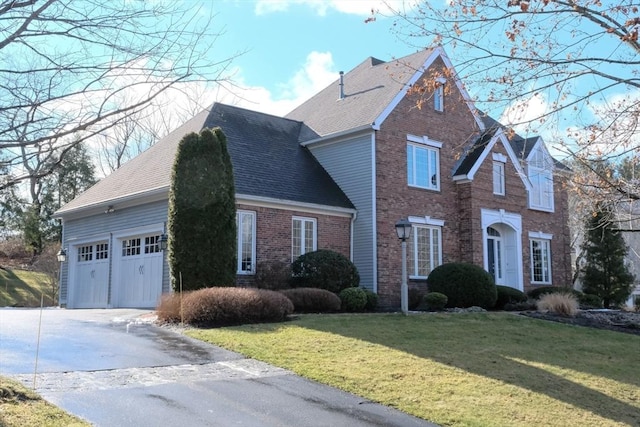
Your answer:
<point x="91" y="281"/>
<point x="140" y="283"/>
<point x="494" y="254"/>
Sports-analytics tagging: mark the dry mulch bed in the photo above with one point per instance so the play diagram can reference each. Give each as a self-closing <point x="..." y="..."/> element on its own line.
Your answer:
<point x="613" y="320"/>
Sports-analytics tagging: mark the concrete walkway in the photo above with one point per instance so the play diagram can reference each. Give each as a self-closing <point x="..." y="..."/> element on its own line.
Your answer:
<point x="114" y="368"/>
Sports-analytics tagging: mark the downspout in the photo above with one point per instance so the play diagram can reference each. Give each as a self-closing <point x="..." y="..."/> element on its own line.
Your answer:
<point x="353" y="220"/>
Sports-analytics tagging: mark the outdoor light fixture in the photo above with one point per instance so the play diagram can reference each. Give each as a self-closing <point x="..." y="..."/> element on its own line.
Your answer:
<point x="62" y="255"/>
<point x="110" y="209"/>
<point x="403" y="230"/>
<point x="163" y="241"/>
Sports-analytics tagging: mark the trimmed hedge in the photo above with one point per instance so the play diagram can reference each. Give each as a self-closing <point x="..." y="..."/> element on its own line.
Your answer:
<point x="353" y="299"/>
<point x="225" y="306"/>
<point x="313" y="300"/>
<point x="465" y="285"/>
<point x="372" y="300"/>
<point x="508" y="295"/>
<point x="324" y="269"/>
<point x="435" y="301"/>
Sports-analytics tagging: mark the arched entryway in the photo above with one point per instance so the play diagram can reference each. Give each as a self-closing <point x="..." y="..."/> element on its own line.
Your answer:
<point x="502" y="246"/>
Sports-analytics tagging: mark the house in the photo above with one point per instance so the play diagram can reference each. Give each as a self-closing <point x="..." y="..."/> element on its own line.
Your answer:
<point x="338" y="172"/>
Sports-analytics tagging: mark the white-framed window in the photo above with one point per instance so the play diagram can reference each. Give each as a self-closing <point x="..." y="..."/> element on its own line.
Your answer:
<point x="85" y="253"/>
<point x="540" y="172"/>
<point x="131" y="247"/>
<point x="246" y="229"/>
<point x="438" y="94"/>
<point x="303" y="236"/>
<point x="424" y="247"/>
<point x="152" y="244"/>
<point x="540" y="248"/>
<point x="102" y="251"/>
<point x="498" y="178"/>
<point x="423" y="164"/>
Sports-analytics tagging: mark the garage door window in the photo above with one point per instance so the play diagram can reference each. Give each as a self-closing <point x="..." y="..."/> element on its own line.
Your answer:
<point x="151" y="244"/>
<point x="85" y="253"/>
<point x="131" y="247"/>
<point x="102" y="251"/>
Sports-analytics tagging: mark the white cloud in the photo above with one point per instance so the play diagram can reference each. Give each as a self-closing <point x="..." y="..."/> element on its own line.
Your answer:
<point x="321" y="7"/>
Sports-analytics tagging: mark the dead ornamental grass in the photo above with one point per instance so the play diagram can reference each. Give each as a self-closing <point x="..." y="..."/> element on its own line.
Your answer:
<point x="559" y="303"/>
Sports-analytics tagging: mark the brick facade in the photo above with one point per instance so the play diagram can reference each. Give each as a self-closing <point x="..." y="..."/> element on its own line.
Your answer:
<point x="459" y="204"/>
<point x="274" y="230"/>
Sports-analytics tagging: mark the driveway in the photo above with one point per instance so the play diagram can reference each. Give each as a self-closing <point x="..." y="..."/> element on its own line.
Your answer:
<point x="115" y="368"/>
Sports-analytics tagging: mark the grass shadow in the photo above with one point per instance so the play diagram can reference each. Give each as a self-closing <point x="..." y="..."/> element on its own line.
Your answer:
<point x="16" y="292"/>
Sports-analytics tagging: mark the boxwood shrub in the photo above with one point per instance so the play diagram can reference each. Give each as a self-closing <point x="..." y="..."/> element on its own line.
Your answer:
<point x="372" y="300"/>
<point x="508" y="295"/>
<point x="324" y="269"/>
<point x="465" y="285"/>
<point x="313" y="300"/>
<point x="435" y="301"/>
<point x="353" y="299"/>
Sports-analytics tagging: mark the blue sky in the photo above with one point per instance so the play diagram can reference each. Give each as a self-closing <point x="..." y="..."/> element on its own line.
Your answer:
<point x="295" y="48"/>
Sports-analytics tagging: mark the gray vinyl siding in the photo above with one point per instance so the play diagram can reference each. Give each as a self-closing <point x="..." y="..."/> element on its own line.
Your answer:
<point x="350" y="164"/>
<point x="104" y="224"/>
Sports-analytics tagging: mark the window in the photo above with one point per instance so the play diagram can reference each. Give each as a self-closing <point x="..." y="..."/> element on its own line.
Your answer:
<point x="438" y="98"/>
<point x="85" y="253"/>
<point x="303" y="236"/>
<point x="131" y="247"/>
<point x="152" y="244"/>
<point x="102" y="251"/>
<point x="540" y="261"/>
<point x="246" y="225"/>
<point x="424" y="250"/>
<point x="498" y="178"/>
<point x="541" y="178"/>
<point x="423" y="164"/>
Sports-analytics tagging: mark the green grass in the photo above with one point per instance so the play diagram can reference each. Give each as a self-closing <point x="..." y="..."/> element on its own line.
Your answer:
<point x="493" y="369"/>
<point x="20" y="407"/>
<point x="21" y="288"/>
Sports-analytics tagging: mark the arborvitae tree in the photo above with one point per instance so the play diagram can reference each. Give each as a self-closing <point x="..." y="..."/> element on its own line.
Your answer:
<point x="605" y="273"/>
<point x="202" y="213"/>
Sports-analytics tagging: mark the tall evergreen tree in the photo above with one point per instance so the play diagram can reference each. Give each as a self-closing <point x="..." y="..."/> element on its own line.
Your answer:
<point x="202" y="213"/>
<point x="605" y="273"/>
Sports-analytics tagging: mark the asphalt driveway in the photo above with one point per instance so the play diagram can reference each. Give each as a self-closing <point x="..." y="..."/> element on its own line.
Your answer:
<point x="115" y="368"/>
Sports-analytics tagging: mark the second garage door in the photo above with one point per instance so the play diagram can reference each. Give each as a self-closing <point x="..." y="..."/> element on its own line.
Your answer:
<point x="139" y="277"/>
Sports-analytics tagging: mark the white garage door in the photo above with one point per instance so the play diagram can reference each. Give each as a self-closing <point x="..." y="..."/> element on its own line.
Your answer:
<point x="139" y="281"/>
<point x="91" y="278"/>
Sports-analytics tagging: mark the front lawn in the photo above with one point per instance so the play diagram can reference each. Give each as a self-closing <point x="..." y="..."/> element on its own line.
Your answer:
<point x="22" y="288"/>
<point x="488" y="369"/>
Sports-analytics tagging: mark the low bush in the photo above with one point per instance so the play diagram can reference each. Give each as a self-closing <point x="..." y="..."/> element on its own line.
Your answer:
<point x="274" y="275"/>
<point x="508" y="295"/>
<point x="353" y="299"/>
<point x="226" y="306"/>
<point x="324" y="269"/>
<point x="415" y="296"/>
<point x="169" y="308"/>
<point x="313" y="300"/>
<point x="372" y="300"/>
<point x="536" y="293"/>
<point x="435" y="301"/>
<point x="588" y="301"/>
<point x="528" y="305"/>
<point x="465" y="285"/>
<point x="559" y="303"/>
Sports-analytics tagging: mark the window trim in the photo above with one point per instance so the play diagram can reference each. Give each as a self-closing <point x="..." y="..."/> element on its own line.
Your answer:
<point x="239" y="215"/>
<point x="499" y="185"/>
<point x="544" y="240"/>
<point x="438" y="97"/>
<point x="304" y="220"/>
<point x="429" y="146"/>
<point x="431" y="224"/>
<point x="542" y="187"/>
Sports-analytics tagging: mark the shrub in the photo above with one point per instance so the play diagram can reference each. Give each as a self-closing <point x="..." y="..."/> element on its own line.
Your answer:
<point x="168" y="309"/>
<point x="465" y="285"/>
<point x="508" y="295"/>
<point x="559" y="303"/>
<point x="527" y="305"/>
<point x="536" y="293"/>
<point x="372" y="300"/>
<point x="353" y="299"/>
<point x="590" y="301"/>
<point x="435" y="301"/>
<point x="313" y="300"/>
<point x="273" y="275"/>
<point x="324" y="269"/>
<point x="415" y="298"/>
<point x="227" y="306"/>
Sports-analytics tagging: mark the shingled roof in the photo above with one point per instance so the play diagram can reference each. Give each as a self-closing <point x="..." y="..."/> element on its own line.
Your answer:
<point x="369" y="89"/>
<point x="267" y="160"/>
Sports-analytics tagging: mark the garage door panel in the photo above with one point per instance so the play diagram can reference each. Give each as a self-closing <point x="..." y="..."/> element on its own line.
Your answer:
<point x="140" y="278"/>
<point x="91" y="281"/>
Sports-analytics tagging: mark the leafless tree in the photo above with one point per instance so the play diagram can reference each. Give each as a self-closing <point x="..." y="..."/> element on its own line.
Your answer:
<point x="70" y="70"/>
